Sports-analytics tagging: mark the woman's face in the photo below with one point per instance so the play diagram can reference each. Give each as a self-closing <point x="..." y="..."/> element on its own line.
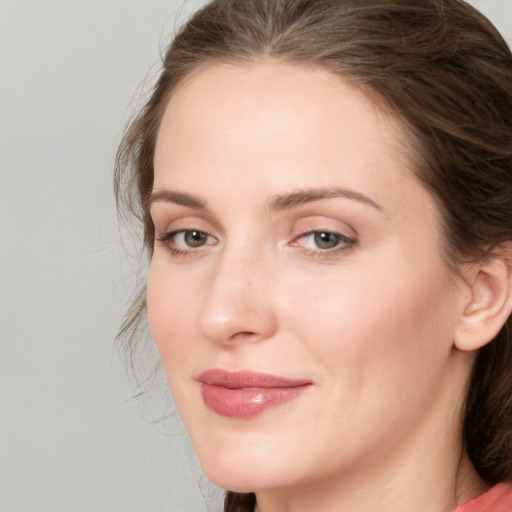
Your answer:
<point x="297" y="293"/>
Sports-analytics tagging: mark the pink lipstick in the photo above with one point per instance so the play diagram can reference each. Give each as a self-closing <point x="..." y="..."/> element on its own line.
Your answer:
<point x="244" y="394"/>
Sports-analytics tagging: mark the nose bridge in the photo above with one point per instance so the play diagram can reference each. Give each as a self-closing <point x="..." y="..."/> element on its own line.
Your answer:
<point x="238" y="302"/>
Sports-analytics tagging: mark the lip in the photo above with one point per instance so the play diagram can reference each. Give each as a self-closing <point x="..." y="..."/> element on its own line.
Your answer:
<point x="245" y="394"/>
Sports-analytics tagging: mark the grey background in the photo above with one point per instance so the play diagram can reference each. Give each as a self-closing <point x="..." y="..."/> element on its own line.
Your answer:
<point x="70" y="440"/>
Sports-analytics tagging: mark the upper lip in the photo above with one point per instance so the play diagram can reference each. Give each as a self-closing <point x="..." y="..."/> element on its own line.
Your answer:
<point x="247" y="379"/>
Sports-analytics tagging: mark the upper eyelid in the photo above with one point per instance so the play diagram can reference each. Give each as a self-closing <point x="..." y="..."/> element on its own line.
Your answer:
<point x="331" y="231"/>
<point x="327" y="223"/>
<point x="164" y="221"/>
<point x="313" y="205"/>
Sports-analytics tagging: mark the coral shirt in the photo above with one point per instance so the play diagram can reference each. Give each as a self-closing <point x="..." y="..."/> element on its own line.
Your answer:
<point x="496" y="499"/>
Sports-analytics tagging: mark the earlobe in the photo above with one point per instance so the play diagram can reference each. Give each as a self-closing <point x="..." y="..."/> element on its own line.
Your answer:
<point x="490" y="302"/>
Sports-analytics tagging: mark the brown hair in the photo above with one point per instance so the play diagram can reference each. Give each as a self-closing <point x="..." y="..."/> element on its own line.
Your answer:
<point x="445" y="70"/>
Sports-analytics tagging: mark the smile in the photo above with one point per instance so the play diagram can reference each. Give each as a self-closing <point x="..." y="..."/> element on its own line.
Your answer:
<point x="245" y="394"/>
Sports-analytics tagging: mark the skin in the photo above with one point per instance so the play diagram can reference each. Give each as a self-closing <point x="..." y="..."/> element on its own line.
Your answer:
<point x="370" y="322"/>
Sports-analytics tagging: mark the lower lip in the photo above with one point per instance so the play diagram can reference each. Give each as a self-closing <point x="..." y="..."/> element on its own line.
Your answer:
<point x="247" y="402"/>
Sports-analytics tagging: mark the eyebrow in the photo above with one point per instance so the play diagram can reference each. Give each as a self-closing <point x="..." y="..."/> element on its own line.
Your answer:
<point x="168" y="196"/>
<point x="274" y="204"/>
<point x="294" y="199"/>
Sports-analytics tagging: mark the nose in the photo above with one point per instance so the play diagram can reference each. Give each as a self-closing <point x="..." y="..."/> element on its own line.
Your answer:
<point x="238" y="304"/>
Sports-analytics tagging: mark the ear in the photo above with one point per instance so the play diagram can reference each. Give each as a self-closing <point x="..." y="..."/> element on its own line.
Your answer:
<point x="490" y="303"/>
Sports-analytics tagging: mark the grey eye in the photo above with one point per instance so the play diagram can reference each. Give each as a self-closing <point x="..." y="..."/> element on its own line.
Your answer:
<point x="326" y="240"/>
<point x="195" y="238"/>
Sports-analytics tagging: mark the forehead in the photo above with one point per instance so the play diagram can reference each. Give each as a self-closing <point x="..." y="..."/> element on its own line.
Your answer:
<point x="268" y="120"/>
<point x="270" y="90"/>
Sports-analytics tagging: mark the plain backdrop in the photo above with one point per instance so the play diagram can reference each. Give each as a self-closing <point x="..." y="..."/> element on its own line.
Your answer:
<point x="70" y="438"/>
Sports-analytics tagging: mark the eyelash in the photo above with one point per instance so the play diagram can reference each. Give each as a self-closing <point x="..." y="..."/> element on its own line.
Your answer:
<point x="344" y="243"/>
<point x="167" y="239"/>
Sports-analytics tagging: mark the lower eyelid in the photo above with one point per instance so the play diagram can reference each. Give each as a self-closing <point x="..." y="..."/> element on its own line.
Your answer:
<point x="344" y="245"/>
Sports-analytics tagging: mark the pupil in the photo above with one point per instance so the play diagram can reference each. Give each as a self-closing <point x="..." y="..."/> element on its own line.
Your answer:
<point x="326" y="240"/>
<point x="195" y="238"/>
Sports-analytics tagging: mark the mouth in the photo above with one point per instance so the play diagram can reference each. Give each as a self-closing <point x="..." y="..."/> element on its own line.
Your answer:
<point x="245" y="394"/>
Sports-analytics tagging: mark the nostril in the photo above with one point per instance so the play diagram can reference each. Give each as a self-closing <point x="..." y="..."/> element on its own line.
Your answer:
<point x="245" y="335"/>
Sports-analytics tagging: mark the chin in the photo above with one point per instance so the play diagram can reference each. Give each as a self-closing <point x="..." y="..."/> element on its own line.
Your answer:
<point x="238" y="477"/>
<point x="235" y="483"/>
<point x="251" y="469"/>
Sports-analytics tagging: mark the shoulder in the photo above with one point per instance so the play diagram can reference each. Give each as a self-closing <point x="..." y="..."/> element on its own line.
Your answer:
<point x="496" y="499"/>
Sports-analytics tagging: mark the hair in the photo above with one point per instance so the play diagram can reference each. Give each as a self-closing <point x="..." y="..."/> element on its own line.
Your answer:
<point x="439" y="65"/>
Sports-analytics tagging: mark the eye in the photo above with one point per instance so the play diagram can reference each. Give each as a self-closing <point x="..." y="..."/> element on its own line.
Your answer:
<point x="324" y="241"/>
<point x="184" y="240"/>
<point x="191" y="238"/>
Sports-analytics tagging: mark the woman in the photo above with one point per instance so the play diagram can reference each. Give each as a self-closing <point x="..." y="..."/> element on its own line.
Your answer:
<point x="326" y="193"/>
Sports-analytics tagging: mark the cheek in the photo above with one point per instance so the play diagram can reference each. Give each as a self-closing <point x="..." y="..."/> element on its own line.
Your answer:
<point x="389" y="321"/>
<point x="170" y="314"/>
